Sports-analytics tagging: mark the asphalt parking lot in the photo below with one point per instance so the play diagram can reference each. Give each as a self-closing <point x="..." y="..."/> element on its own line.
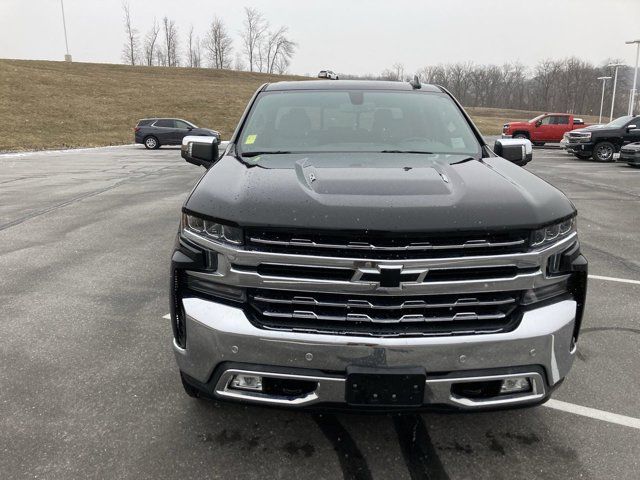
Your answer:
<point x="89" y="386"/>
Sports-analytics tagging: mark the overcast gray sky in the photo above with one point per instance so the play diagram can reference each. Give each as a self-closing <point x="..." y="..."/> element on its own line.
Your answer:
<point x="355" y="36"/>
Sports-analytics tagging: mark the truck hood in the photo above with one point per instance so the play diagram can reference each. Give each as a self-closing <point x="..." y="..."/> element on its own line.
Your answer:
<point x="379" y="192"/>
<point x="518" y="124"/>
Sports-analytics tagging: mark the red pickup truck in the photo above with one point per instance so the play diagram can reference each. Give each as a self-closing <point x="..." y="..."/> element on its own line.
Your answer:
<point x="548" y="127"/>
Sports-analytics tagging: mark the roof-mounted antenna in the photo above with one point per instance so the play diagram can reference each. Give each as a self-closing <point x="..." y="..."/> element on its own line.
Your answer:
<point x="415" y="83"/>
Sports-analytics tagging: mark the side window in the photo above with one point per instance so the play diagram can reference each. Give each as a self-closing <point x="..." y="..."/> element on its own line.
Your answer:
<point x="165" y="122"/>
<point x="562" y="120"/>
<point x="181" y="124"/>
<point x="546" y="121"/>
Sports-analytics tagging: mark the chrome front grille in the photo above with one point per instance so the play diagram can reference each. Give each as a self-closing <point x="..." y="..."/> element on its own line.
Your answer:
<point x="381" y="315"/>
<point x="386" y="246"/>
<point x="362" y="291"/>
<point x="578" y="137"/>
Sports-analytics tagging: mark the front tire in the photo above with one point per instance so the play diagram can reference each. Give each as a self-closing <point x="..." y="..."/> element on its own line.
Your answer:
<point x="521" y="135"/>
<point x="603" y="152"/>
<point x="151" y="143"/>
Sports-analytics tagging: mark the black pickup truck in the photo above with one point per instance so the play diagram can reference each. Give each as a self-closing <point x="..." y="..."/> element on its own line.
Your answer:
<point x="358" y="244"/>
<point x="601" y="143"/>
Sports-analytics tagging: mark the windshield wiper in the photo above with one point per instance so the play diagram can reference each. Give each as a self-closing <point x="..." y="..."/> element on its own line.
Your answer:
<point x="420" y="152"/>
<point x="272" y="152"/>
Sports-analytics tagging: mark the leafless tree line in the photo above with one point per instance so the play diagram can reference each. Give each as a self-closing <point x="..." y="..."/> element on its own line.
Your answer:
<point x="263" y="49"/>
<point x="565" y="85"/>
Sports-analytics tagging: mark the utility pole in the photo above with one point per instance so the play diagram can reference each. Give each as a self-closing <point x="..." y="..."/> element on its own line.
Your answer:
<point x="67" y="57"/>
<point x="615" y="81"/>
<point x="635" y="75"/>
<point x="604" y="81"/>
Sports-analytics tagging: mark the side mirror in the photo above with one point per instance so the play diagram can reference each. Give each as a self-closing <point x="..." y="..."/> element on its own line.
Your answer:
<point x="538" y="123"/>
<point x="202" y="151"/>
<point x="632" y="127"/>
<point x="516" y="150"/>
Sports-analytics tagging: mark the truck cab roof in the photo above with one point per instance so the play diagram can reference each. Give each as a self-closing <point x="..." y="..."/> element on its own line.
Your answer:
<point x="346" y="84"/>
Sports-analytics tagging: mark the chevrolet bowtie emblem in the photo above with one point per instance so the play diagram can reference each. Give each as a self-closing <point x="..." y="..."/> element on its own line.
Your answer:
<point x="390" y="276"/>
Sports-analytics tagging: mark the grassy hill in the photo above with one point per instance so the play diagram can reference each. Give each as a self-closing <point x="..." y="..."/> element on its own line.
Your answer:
<point x="47" y="104"/>
<point x="57" y="104"/>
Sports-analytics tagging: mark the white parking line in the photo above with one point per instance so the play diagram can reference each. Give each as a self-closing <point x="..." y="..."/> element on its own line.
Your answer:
<point x="614" y="279"/>
<point x="167" y="316"/>
<point x="58" y="152"/>
<point x="594" y="413"/>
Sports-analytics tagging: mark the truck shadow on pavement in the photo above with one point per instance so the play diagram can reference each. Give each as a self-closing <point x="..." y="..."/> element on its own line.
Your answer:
<point x="509" y="444"/>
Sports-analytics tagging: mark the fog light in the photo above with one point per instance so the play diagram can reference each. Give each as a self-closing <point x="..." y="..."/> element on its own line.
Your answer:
<point x="515" y="385"/>
<point x="247" y="382"/>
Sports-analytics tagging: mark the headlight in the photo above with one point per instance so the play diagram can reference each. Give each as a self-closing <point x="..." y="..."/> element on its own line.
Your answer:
<point x="212" y="230"/>
<point x="553" y="233"/>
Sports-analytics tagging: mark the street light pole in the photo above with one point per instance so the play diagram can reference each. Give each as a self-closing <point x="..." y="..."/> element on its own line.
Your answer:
<point x="635" y="75"/>
<point x="615" y="81"/>
<point x="67" y="57"/>
<point x="604" y="81"/>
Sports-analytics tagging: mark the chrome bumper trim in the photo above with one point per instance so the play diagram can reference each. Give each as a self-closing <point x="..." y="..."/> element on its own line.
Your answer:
<point x="332" y="390"/>
<point x="219" y="333"/>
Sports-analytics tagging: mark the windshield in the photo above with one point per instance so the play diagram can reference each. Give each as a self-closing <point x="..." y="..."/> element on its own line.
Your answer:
<point x="356" y="121"/>
<point x="619" y="122"/>
<point x="535" y="119"/>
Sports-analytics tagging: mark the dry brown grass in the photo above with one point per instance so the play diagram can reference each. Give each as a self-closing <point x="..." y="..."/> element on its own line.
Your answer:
<point x="55" y="104"/>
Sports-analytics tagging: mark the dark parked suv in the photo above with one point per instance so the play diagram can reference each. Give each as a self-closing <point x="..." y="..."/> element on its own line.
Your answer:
<point x="155" y="132"/>
<point x="359" y="244"/>
<point x="601" y="143"/>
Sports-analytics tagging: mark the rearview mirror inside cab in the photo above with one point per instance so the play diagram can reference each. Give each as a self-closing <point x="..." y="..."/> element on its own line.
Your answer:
<point x="516" y="150"/>
<point x="202" y="151"/>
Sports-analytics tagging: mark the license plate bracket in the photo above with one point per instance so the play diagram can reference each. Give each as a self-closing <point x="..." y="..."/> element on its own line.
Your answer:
<point x="385" y="387"/>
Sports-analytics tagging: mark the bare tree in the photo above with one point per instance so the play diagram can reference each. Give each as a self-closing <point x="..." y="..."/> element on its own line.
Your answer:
<point x="130" y="50"/>
<point x="150" y="43"/>
<point x="255" y="27"/>
<point x="238" y="63"/>
<point x="197" y="53"/>
<point x="161" y="57"/>
<point x="395" y="73"/>
<point x="218" y="44"/>
<point x="276" y="51"/>
<point x="190" y="47"/>
<point x="170" y="42"/>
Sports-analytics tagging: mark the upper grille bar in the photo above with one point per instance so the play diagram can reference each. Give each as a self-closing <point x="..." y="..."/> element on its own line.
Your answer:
<point x="303" y="242"/>
<point x="363" y="317"/>
<point x="357" y="303"/>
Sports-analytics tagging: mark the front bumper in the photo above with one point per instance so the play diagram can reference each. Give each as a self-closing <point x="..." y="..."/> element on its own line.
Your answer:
<point x="631" y="157"/>
<point x="221" y="338"/>
<point x="580" y="147"/>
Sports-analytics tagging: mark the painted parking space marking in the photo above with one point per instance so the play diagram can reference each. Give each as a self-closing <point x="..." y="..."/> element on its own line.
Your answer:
<point x="593" y="413"/>
<point x="614" y="279"/>
<point x="167" y="316"/>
